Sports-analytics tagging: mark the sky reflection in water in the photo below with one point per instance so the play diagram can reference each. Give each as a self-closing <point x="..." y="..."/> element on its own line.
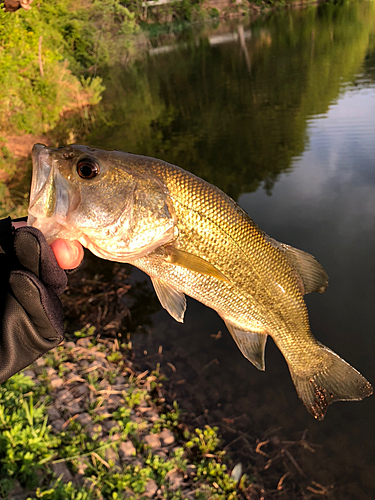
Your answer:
<point x="326" y="206"/>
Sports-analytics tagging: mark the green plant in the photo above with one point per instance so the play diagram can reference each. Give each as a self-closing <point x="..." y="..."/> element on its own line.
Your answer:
<point x="61" y="491"/>
<point x="26" y="442"/>
<point x="206" y="440"/>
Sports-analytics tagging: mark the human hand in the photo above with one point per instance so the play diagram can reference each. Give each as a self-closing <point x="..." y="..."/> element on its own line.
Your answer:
<point x="31" y="282"/>
<point x="69" y="254"/>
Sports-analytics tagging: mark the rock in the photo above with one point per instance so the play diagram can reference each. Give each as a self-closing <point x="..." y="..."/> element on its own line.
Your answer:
<point x="53" y="413"/>
<point x="69" y="366"/>
<point x="94" y="431"/>
<point x="151" y="488"/>
<point x="120" y="387"/>
<point x="40" y="362"/>
<point x="137" y="420"/>
<point x="80" y="390"/>
<point x="110" y="424"/>
<point x="72" y="376"/>
<point x="112" y="438"/>
<point x="85" y="342"/>
<point x="111" y="456"/>
<point x="64" y="397"/>
<point x="29" y="373"/>
<point x="19" y="493"/>
<point x="69" y="345"/>
<point x="191" y="470"/>
<point x="166" y="437"/>
<point x="153" y="441"/>
<point x="51" y="371"/>
<point x="56" y="382"/>
<point x="103" y="412"/>
<point x="73" y="407"/>
<point x="104" y="384"/>
<point x="138" y="462"/>
<point x="151" y="415"/>
<point x="57" y="425"/>
<point x="120" y="380"/>
<point x="84" y="419"/>
<point x="61" y="470"/>
<point x="113" y="402"/>
<point x="175" y="479"/>
<point x="126" y="450"/>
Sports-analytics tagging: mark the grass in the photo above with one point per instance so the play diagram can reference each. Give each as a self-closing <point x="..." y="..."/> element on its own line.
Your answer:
<point x="31" y="451"/>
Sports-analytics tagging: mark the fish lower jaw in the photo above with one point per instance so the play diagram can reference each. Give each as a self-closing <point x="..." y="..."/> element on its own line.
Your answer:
<point x="53" y="228"/>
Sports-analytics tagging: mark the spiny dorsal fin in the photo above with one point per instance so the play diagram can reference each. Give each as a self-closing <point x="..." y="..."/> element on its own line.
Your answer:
<point x="312" y="274"/>
<point x="251" y="344"/>
<point x="193" y="263"/>
<point x="171" y="299"/>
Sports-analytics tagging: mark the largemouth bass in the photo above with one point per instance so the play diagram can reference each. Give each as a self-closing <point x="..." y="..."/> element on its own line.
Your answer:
<point x="193" y="239"/>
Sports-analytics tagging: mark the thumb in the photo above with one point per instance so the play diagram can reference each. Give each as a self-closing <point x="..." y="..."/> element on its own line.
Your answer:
<point x="69" y="254"/>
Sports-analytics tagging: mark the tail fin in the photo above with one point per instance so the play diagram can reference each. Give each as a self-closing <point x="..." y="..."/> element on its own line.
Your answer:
<point x="335" y="380"/>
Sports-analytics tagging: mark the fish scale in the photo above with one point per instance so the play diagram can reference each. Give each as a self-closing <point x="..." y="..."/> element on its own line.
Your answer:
<point x="193" y="239"/>
<point x="246" y="252"/>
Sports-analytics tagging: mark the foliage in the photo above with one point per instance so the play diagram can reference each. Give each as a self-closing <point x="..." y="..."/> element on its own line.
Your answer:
<point x="61" y="491"/>
<point x="26" y="442"/>
<point x="28" y="448"/>
<point x="13" y="204"/>
<point x="44" y="51"/>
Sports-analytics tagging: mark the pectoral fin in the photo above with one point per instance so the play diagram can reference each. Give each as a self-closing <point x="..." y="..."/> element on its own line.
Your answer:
<point x="193" y="263"/>
<point x="251" y="344"/>
<point x="171" y="299"/>
<point x="313" y="276"/>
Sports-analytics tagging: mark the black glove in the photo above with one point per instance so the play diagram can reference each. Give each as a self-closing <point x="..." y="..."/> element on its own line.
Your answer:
<point x="31" y="314"/>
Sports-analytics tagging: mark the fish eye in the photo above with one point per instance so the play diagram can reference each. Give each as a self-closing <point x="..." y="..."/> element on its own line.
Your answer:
<point x="87" y="168"/>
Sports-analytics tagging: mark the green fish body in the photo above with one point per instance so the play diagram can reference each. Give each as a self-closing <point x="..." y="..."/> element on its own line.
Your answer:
<point x="192" y="239"/>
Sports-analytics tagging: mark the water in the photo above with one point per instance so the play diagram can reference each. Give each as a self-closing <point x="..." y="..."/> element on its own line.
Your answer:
<point x="280" y="114"/>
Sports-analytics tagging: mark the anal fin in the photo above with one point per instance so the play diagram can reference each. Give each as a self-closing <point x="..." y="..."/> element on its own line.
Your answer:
<point x="171" y="299"/>
<point x="251" y="344"/>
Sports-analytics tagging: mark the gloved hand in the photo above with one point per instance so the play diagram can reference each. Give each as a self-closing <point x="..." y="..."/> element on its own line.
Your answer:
<point x="31" y="314"/>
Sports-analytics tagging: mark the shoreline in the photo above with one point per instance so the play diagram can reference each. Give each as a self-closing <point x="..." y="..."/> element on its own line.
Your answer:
<point x="269" y="450"/>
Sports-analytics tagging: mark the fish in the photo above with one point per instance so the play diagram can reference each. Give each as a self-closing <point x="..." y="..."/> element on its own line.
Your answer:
<point x="192" y="239"/>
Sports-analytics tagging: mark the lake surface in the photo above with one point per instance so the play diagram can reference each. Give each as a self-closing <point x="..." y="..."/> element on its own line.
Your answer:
<point x="280" y="114"/>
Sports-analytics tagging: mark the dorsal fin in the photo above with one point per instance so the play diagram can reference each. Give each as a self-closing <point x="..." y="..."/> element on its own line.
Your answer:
<point x="313" y="276"/>
<point x="251" y="344"/>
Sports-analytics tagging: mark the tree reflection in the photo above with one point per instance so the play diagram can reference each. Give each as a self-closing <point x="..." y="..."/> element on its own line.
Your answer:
<point x="235" y="113"/>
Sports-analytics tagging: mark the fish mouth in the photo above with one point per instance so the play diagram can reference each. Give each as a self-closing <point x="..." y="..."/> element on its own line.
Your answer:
<point x="50" y="194"/>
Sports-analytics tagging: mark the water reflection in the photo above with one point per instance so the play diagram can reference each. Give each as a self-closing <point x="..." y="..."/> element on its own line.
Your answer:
<point x="327" y="206"/>
<point x="287" y="103"/>
<point x="235" y="113"/>
<point x="291" y="99"/>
